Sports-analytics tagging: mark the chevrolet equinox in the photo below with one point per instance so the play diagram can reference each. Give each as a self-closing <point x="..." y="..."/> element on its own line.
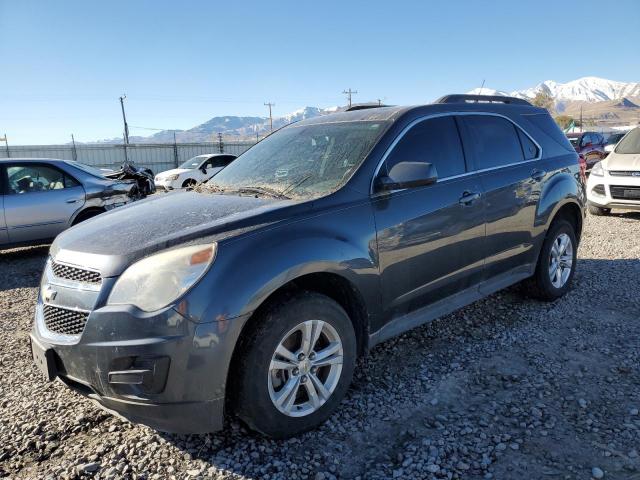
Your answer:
<point x="256" y="293"/>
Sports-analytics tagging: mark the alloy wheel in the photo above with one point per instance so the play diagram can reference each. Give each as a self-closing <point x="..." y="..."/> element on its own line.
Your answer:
<point x="560" y="260"/>
<point x="305" y="368"/>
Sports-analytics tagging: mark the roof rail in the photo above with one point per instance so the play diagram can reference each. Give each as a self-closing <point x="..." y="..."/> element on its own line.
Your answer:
<point x="364" y="106"/>
<point x="460" y="98"/>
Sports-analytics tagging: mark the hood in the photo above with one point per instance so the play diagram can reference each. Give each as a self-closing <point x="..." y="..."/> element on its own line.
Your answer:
<point x="174" y="171"/>
<point x="112" y="241"/>
<point x="623" y="161"/>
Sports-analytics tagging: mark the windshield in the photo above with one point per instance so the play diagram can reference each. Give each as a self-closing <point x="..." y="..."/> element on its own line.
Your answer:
<point x="192" y="163"/>
<point x="630" y="143"/>
<point x="87" y="169"/>
<point x="305" y="161"/>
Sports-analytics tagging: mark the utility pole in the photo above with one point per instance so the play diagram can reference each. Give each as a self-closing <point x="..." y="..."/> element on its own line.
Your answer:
<point x="379" y="102"/>
<point x="220" y="143"/>
<point x="124" y="119"/>
<point x="269" y="104"/>
<point x="348" y="93"/>
<point x="6" y="142"/>
<point x="581" y="119"/>
<point x="74" y="152"/>
<point x="481" y="87"/>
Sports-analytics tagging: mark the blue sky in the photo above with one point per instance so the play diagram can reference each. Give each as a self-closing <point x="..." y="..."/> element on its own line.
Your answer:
<point x="63" y="65"/>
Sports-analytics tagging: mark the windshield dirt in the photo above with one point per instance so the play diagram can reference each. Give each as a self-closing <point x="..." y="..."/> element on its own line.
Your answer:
<point x="301" y="162"/>
<point x="630" y="143"/>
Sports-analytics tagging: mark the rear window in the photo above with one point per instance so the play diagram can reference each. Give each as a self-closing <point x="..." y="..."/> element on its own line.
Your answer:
<point x="630" y="143"/>
<point x="544" y="122"/>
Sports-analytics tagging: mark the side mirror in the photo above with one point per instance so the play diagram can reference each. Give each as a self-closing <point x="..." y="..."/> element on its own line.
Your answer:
<point x="203" y="170"/>
<point x="408" y="175"/>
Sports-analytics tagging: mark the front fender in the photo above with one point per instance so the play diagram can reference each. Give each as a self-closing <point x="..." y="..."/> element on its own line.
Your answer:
<point x="248" y="270"/>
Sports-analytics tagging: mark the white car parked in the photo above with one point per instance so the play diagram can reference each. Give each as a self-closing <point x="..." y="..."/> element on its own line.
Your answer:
<point x="193" y="171"/>
<point x="615" y="181"/>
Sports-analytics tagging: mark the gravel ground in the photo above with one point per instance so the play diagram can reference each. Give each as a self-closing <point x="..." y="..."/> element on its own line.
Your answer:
<point x="506" y="388"/>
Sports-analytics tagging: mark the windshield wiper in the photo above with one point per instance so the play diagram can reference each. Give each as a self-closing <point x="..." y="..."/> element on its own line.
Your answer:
<point x="263" y="191"/>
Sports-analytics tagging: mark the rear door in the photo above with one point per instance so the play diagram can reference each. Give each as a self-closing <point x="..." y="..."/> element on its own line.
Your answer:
<point x="218" y="163"/>
<point x="507" y="162"/>
<point x="40" y="201"/>
<point x="4" y="237"/>
<point x="430" y="239"/>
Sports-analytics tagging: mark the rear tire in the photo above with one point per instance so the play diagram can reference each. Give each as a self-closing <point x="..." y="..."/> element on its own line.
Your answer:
<point x="189" y="183"/>
<point x="275" y="360"/>
<point x="556" y="263"/>
<point x="598" y="211"/>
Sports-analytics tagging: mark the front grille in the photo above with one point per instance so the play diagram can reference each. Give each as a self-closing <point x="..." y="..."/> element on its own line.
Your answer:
<point x="599" y="189"/>
<point x="624" y="192"/>
<point x="64" y="321"/>
<point x="624" y="173"/>
<point x="75" y="274"/>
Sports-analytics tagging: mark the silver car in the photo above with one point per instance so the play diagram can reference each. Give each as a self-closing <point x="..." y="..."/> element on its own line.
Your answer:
<point x="41" y="197"/>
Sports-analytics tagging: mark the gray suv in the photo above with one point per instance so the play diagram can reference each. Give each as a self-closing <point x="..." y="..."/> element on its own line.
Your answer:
<point x="41" y="197"/>
<point x="256" y="293"/>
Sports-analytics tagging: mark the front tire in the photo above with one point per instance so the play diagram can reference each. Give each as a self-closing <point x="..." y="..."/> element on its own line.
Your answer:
<point x="295" y="366"/>
<point x="556" y="263"/>
<point x="189" y="183"/>
<point x="598" y="211"/>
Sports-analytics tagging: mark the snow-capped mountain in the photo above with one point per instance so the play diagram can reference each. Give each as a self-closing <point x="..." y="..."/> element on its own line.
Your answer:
<point x="586" y="89"/>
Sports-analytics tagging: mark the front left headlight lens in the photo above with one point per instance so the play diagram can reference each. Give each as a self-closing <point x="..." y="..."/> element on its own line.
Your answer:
<point x="156" y="281"/>
<point x="173" y="177"/>
<point x="598" y="170"/>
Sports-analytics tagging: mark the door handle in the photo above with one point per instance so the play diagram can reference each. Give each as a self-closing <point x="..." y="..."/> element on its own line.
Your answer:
<point x="72" y="200"/>
<point x="538" y="174"/>
<point x="468" y="198"/>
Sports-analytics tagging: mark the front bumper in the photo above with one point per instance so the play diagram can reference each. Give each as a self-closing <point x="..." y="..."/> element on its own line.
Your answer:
<point x="606" y="191"/>
<point x="166" y="185"/>
<point x="159" y="369"/>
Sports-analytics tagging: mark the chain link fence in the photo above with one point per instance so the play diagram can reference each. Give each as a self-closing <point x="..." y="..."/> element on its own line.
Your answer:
<point x="156" y="156"/>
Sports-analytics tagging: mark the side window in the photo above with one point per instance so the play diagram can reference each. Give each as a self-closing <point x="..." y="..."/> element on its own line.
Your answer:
<point x="494" y="141"/>
<point x="529" y="148"/>
<point x="586" y="140"/>
<point x="36" y="178"/>
<point x="434" y="141"/>
<point x="220" y="161"/>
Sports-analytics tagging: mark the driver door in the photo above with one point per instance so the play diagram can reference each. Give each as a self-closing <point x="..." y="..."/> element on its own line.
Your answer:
<point x="431" y="238"/>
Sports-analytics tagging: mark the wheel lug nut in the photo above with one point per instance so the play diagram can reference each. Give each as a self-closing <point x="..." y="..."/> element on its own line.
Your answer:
<point x="314" y="370"/>
<point x="295" y="371"/>
<point x="301" y="356"/>
<point x="303" y="379"/>
<point x="312" y="355"/>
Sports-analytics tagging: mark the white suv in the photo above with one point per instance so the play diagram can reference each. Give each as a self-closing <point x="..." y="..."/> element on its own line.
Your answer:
<point x="615" y="181"/>
<point x="193" y="171"/>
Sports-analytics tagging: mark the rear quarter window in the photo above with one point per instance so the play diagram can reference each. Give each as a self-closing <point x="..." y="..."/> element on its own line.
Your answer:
<point x="547" y="125"/>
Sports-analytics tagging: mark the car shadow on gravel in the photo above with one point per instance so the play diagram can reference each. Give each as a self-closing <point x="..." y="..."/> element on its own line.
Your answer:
<point x="22" y="267"/>
<point x="452" y="390"/>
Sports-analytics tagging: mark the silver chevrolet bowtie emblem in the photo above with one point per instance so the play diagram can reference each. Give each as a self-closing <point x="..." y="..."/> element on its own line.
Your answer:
<point x="48" y="293"/>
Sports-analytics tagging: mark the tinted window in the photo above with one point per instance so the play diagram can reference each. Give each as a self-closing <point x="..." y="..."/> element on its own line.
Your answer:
<point x="544" y="122"/>
<point x="494" y="141"/>
<point x="529" y="148"/>
<point x="37" y="178"/>
<point x="586" y="140"/>
<point x="434" y="141"/>
<point x="221" y="161"/>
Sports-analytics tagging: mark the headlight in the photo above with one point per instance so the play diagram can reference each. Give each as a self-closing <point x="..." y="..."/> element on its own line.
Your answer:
<point x="597" y="170"/>
<point x="172" y="177"/>
<point x="156" y="281"/>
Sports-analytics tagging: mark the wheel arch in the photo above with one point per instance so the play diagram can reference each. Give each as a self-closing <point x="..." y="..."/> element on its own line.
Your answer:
<point x="85" y="213"/>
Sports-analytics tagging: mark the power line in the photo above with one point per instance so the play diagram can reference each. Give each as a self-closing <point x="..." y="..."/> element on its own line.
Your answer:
<point x="348" y="93"/>
<point x="269" y="104"/>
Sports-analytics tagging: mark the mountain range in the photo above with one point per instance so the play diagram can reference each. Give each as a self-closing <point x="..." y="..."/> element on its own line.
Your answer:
<point x="601" y="100"/>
